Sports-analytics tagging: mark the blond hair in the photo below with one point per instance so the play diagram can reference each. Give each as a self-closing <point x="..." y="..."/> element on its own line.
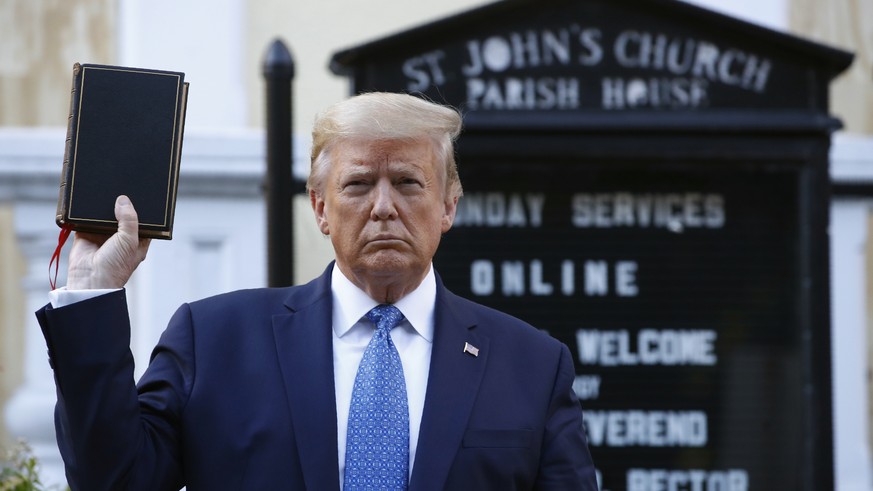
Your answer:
<point x="385" y="116"/>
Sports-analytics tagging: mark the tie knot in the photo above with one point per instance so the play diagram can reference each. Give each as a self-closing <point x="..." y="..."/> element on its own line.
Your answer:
<point x="385" y="316"/>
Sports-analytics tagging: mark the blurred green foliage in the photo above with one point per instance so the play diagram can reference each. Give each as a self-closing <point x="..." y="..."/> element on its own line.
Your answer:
<point x="19" y="470"/>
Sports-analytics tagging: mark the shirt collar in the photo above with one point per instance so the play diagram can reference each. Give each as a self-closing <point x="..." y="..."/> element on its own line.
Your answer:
<point x="350" y="304"/>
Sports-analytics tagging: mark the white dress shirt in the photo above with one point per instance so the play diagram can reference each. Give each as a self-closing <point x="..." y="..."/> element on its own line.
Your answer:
<point x="62" y="297"/>
<point x="413" y="338"/>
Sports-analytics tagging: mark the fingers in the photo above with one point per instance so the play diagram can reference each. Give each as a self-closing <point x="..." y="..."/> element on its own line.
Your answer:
<point x="100" y="261"/>
<point x="143" y="249"/>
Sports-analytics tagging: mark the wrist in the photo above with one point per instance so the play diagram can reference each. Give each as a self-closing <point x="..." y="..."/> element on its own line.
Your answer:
<point x="78" y="280"/>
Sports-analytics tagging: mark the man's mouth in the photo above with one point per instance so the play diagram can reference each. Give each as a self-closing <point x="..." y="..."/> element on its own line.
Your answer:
<point x="385" y="237"/>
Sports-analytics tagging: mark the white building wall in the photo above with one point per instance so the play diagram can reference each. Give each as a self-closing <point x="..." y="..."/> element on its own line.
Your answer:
<point x="849" y="219"/>
<point x="206" y="40"/>
<point x="851" y="162"/>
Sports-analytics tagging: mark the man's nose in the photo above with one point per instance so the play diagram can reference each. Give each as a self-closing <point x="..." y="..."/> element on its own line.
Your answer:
<point x="383" y="201"/>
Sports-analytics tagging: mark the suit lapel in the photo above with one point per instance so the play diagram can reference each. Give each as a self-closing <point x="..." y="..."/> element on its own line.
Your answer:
<point x="305" y="347"/>
<point x="453" y="384"/>
<point x="304" y="343"/>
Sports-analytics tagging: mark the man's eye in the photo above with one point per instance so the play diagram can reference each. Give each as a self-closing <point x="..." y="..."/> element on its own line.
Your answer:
<point x="408" y="181"/>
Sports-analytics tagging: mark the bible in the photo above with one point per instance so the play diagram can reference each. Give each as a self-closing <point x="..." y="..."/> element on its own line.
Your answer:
<point x="124" y="136"/>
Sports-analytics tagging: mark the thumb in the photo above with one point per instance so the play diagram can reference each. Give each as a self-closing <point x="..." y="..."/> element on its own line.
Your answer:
<point x="115" y="261"/>
<point x="128" y="221"/>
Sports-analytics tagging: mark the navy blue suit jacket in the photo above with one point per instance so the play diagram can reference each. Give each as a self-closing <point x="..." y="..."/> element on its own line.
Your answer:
<point x="239" y="394"/>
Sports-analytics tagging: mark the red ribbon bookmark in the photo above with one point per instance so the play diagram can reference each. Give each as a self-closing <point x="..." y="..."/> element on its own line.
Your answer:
<point x="56" y="257"/>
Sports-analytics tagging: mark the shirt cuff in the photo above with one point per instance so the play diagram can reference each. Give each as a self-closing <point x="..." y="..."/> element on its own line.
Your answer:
<point x="62" y="297"/>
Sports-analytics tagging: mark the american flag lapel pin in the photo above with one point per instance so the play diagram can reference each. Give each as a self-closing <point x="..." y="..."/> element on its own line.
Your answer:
<point x="470" y="349"/>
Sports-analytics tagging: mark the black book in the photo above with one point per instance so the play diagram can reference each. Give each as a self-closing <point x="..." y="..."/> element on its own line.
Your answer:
<point x="124" y="136"/>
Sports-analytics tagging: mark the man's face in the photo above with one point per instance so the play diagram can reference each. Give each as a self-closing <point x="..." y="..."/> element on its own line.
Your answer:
<point x="384" y="205"/>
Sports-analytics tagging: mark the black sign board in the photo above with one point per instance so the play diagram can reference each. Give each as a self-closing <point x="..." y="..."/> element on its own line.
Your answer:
<point x="566" y="55"/>
<point x="676" y="285"/>
<point x="647" y="181"/>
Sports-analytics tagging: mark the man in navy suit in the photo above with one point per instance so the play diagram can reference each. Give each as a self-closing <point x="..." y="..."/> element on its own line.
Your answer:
<point x="262" y="389"/>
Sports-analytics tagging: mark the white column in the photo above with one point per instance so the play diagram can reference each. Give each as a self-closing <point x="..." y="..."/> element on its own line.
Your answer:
<point x="851" y="161"/>
<point x="203" y="38"/>
<point x="30" y="411"/>
<point x="849" y="348"/>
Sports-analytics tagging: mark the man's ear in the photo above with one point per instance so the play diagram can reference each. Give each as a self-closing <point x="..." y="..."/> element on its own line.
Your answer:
<point x="318" y="208"/>
<point x="449" y="213"/>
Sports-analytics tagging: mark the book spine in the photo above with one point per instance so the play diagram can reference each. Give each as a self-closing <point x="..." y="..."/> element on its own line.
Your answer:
<point x="180" y="134"/>
<point x="69" y="148"/>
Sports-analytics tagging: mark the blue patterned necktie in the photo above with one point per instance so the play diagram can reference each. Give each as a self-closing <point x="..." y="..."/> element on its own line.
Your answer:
<point x="377" y="443"/>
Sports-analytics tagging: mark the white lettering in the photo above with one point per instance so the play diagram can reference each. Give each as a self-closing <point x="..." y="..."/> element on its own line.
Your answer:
<point x="535" y="203"/>
<point x="530" y="48"/>
<point x="537" y="285"/>
<point x="667" y="347"/>
<point x="556" y="47"/>
<point x="523" y="93"/>
<point x="568" y="278"/>
<point x="682" y="67"/>
<point x="595" y="426"/>
<point x="673" y="211"/>
<point x="596" y="278"/>
<point x="592" y="53"/>
<point x="482" y="277"/>
<point x="475" y="89"/>
<point x="495" y="209"/>
<point x="525" y="49"/>
<point x="500" y="210"/>
<point x="587" y="387"/>
<point x="705" y="61"/>
<point x="687" y="480"/>
<point x="421" y="78"/>
<point x="726" y="69"/>
<point x="512" y="274"/>
<point x="625" y="279"/>
<point x="618" y="93"/>
<point x="474" y="68"/>
<point x="701" y="59"/>
<point x="676" y="65"/>
<point x="639" y="428"/>
<point x="497" y="54"/>
<point x="623" y="211"/>
<point x="692" y="210"/>
<point x="589" y="346"/>
<point x="517" y="278"/>
<point x="626" y="44"/>
<point x="714" y="206"/>
<point x="756" y="74"/>
<point x="612" y="93"/>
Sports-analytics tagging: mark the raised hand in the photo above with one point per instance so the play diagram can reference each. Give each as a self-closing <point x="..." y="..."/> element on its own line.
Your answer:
<point x="102" y="261"/>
